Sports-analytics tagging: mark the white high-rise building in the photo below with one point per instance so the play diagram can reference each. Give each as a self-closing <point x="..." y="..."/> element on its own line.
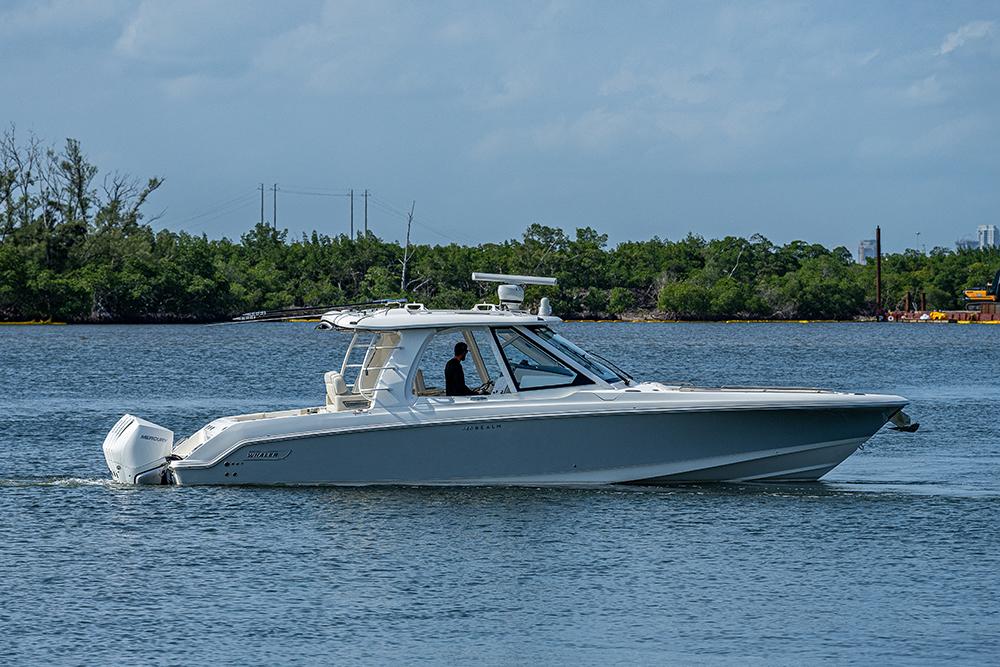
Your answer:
<point x="866" y="251"/>
<point x="988" y="237"/>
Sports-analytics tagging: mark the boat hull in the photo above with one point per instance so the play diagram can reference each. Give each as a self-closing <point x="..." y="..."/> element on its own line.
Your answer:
<point x="633" y="447"/>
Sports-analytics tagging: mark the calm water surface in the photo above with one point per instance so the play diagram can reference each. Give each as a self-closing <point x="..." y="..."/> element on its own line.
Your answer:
<point x="894" y="558"/>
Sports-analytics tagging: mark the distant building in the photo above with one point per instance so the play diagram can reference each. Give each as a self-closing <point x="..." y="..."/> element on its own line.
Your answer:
<point x="866" y="251"/>
<point x="967" y="244"/>
<point x="988" y="237"/>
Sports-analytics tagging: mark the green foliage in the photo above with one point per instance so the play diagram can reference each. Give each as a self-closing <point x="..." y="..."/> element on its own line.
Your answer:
<point x="729" y="298"/>
<point x="621" y="300"/>
<point x="595" y="301"/>
<point x="684" y="299"/>
<point x="75" y="252"/>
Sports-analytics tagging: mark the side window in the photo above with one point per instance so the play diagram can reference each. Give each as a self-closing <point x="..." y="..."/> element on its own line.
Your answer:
<point x="480" y="366"/>
<point x="429" y="378"/>
<point x="490" y="363"/>
<point x="531" y="366"/>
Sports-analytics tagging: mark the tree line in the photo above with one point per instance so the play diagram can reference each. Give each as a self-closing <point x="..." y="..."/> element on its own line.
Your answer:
<point x="77" y="246"/>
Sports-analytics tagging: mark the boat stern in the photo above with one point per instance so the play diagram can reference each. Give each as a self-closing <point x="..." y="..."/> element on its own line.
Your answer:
<point x="138" y="451"/>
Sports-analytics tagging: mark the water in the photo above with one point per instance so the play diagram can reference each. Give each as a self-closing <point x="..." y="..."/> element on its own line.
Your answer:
<point x="894" y="558"/>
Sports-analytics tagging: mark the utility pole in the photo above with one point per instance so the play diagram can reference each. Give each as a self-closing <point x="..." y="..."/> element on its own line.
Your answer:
<point x="878" y="272"/>
<point x="366" y="211"/>
<point x="406" y="248"/>
<point x="274" y="199"/>
<point x="352" y="214"/>
<point x="261" y="188"/>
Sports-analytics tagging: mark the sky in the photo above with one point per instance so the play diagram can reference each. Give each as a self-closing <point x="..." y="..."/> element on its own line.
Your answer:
<point x="813" y="121"/>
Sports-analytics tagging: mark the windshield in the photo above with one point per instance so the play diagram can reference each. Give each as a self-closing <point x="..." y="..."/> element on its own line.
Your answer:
<point x="532" y="367"/>
<point x="586" y="359"/>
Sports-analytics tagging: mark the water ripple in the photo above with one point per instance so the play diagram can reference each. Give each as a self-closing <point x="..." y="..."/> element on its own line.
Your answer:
<point x="893" y="559"/>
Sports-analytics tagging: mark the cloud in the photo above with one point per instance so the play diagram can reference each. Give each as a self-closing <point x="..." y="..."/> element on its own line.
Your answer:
<point x="950" y="137"/>
<point x="749" y="121"/>
<point x="189" y="37"/>
<point x="868" y="57"/>
<point x="352" y="47"/>
<point x="953" y="138"/>
<point x="968" y="32"/>
<point x="595" y="130"/>
<point x="169" y="32"/>
<point x="710" y="137"/>
<point x="512" y="88"/>
<point x="690" y="85"/>
<point x="56" y="16"/>
<point x="925" y="91"/>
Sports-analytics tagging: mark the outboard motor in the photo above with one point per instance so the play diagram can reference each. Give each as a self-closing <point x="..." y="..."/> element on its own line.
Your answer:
<point x="137" y="451"/>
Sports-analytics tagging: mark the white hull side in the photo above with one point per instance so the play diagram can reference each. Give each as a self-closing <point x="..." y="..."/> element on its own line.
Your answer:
<point x="594" y="449"/>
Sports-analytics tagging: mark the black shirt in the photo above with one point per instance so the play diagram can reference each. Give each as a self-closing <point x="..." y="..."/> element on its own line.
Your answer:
<point x="454" y="379"/>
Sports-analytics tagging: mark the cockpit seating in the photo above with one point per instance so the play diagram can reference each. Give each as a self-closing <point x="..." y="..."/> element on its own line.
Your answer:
<point x="420" y="387"/>
<point x="338" y="396"/>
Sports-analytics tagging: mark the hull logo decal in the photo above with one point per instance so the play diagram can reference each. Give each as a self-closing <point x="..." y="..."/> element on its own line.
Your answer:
<point x="270" y="455"/>
<point x="482" y="427"/>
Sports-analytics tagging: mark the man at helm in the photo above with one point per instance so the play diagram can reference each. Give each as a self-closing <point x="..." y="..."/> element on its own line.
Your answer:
<point x="454" y="375"/>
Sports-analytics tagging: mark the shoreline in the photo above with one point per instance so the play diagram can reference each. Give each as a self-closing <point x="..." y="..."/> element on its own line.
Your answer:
<point x="566" y="320"/>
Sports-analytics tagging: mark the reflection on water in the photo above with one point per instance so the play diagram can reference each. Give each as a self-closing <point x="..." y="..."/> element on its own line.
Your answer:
<point x="894" y="557"/>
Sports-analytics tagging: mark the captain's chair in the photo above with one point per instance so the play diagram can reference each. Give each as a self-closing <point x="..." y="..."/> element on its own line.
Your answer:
<point x="420" y="387"/>
<point x="335" y="387"/>
<point x="337" y="395"/>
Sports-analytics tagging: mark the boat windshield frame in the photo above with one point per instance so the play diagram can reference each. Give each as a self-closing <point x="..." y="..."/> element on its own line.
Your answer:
<point x="590" y="361"/>
<point x="522" y="334"/>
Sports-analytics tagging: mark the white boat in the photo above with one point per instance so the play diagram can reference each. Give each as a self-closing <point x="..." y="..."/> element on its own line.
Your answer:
<point x="546" y="413"/>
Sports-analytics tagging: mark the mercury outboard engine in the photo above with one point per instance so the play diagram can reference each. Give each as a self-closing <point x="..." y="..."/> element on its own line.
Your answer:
<point x="137" y="451"/>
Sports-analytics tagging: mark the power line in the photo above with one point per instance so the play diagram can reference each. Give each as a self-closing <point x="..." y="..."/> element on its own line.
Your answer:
<point x="405" y="216"/>
<point x="387" y="206"/>
<point x="229" y="211"/>
<point x="316" y="188"/>
<point x="315" y="194"/>
<point x="418" y="222"/>
<point x="219" y="207"/>
<point x="319" y="191"/>
<point x="242" y="201"/>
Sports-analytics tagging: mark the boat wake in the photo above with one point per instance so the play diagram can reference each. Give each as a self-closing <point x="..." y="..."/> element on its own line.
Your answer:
<point x="69" y="482"/>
